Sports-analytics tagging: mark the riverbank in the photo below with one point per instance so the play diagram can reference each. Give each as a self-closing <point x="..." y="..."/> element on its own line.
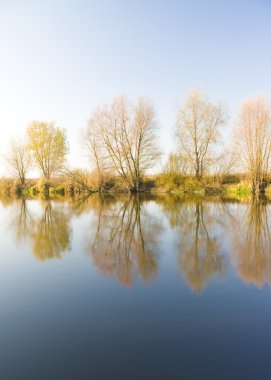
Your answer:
<point x="179" y="185"/>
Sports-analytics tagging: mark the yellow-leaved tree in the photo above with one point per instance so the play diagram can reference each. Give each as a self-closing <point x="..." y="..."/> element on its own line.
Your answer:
<point x="48" y="145"/>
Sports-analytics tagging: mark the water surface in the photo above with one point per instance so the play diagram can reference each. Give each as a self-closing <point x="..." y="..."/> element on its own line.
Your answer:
<point x="135" y="288"/>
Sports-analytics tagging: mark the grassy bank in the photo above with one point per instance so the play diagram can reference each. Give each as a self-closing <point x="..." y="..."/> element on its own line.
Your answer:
<point x="208" y="185"/>
<point x="176" y="184"/>
<point x="60" y="186"/>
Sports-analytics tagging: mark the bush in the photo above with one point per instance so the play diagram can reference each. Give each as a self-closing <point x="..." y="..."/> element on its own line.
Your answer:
<point x="168" y="182"/>
<point x="240" y="189"/>
<point x="10" y="186"/>
<point x="230" y="178"/>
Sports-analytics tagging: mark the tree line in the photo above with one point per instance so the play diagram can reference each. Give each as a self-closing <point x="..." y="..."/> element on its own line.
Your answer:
<point x="122" y="140"/>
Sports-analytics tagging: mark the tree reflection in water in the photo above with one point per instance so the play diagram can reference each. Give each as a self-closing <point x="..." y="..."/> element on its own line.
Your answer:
<point x="23" y="220"/>
<point x="124" y="242"/>
<point x="200" y="257"/>
<point x="199" y="253"/>
<point x="251" y="242"/>
<point x="49" y="233"/>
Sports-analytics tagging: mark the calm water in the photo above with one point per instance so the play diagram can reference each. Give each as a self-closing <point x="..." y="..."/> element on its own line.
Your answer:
<point x="122" y="288"/>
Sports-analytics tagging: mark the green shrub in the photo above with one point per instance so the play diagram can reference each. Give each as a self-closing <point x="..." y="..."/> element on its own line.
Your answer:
<point x="241" y="189"/>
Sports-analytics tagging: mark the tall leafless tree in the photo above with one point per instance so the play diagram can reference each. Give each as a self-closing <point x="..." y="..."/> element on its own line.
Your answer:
<point x="197" y="131"/>
<point x="176" y="164"/>
<point x="18" y="160"/>
<point x="121" y="139"/>
<point x="253" y="141"/>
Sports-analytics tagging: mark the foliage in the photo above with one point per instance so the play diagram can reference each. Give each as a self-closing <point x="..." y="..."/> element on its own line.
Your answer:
<point x="48" y="145"/>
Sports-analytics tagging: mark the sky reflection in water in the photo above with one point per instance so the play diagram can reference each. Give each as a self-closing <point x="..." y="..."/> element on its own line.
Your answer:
<point x="126" y="235"/>
<point x="149" y="285"/>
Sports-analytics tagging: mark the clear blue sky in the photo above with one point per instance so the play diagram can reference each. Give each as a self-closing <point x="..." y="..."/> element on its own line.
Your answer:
<point x="60" y="59"/>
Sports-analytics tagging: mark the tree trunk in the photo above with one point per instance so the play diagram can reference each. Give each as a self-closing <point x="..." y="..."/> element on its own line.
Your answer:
<point x="258" y="188"/>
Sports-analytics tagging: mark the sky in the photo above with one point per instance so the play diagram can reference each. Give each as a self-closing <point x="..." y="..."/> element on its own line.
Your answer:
<point x="59" y="60"/>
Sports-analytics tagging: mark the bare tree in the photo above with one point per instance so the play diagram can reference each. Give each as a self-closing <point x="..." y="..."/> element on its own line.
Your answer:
<point x="198" y="124"/>
<point x="177" y="163"/>
<point x="19" y="160"/>
<point x="121" y="139"/>
<point x="93" y="141"/>
<point x="253" y="141"/>
<point x="225" y="163"/>
<point x="224" y="166"/>
<point x="79" y="178"/>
